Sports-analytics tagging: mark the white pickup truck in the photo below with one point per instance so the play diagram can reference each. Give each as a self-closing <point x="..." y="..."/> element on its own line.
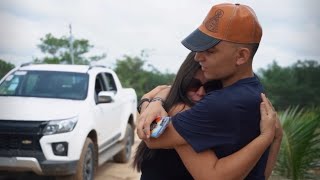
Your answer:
<point x="64" y="120"/>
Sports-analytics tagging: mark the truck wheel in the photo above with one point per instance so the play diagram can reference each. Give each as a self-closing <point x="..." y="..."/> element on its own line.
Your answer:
<point x="86" y="165"/>
<point x="124" y="155"/>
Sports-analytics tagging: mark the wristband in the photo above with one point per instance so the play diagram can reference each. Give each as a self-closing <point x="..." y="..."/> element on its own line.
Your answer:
<point x="158" y="99"/>
<point x="141" y="102"/>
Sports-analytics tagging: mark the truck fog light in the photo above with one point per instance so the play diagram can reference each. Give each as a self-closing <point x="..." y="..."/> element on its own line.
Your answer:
<point x="60" y="148"/>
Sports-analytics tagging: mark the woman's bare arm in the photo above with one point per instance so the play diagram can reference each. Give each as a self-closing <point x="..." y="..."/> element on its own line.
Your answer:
<point x="274" y="149"/>
<point x="164" y="89"/>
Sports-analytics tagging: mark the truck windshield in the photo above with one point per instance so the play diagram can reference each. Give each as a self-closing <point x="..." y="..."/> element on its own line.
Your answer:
<point x="47" y="84"/>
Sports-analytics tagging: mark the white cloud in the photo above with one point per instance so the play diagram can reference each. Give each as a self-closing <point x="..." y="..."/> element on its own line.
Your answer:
<point x="12" y="36"/>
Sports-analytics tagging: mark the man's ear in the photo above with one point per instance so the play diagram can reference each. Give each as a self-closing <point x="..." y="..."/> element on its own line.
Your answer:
<point x="243" y="56"/>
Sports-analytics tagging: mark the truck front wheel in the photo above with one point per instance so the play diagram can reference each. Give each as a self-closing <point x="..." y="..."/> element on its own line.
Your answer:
<point x="86" y="165"/>
<point x="85" y="169"/>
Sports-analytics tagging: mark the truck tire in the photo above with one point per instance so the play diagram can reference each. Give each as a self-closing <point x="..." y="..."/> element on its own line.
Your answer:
<point x="124" y="155"/>
<point x="86" y="165"/>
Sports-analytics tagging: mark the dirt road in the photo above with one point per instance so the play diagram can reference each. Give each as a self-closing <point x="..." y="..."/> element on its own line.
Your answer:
<point x="117" y="171"/>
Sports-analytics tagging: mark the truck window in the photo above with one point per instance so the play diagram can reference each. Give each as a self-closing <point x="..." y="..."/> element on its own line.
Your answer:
<point x="111" y="85"/>
<point x="48" y="84"/>
<point x="99" y="84"/>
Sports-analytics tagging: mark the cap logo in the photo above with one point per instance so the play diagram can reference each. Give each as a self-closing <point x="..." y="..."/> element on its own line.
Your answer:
<point x="213" y="23"/>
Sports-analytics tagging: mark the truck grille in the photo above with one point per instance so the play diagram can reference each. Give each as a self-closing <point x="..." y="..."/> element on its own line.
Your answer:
<point x="21" y="138"/>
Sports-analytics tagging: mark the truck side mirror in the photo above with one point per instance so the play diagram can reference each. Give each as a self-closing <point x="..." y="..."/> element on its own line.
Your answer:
<point x="105" y="97"/>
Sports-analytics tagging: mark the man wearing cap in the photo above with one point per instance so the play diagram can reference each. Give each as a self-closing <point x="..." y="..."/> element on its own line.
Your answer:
<point x="224" y="120"/>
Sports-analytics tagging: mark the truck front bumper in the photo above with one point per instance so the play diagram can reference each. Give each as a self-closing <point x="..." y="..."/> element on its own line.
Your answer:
<point x="32" y="164"/>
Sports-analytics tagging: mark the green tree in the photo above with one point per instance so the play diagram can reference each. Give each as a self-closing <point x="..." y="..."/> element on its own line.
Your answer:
<point x="294" y="85"/>
<point x="5" y="67"/>
<point x="131" y="73"/>
<point x="299" y="154"/>
<point x="57" y="51"/>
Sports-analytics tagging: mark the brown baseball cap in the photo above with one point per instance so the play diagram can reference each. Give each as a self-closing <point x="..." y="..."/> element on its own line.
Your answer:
<point x="236" y="23"/>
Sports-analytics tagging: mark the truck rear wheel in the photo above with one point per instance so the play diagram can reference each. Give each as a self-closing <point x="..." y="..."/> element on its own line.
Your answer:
<point x="124" y="155"/>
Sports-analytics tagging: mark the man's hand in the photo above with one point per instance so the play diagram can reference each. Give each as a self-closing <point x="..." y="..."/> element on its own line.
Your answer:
<point x="154" y="110"/>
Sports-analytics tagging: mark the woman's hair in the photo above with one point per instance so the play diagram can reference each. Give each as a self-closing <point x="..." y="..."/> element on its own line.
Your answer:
<point x="179" y="87"/>
<point x="177" y="94"/>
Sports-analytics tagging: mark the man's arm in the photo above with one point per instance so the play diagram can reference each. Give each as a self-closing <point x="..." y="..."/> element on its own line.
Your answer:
<point x="169" y="139"/>
<point x="206" y="165"/>
<point x="149" y="112"/>
<point x="170" y="136"/>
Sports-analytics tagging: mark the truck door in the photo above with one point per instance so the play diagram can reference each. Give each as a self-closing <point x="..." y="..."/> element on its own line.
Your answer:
<point x="118" y="102"/>
<point x="105" y="114"/>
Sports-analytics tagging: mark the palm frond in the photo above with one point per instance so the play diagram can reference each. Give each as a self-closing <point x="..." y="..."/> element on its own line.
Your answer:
<point x="300" y="149"/>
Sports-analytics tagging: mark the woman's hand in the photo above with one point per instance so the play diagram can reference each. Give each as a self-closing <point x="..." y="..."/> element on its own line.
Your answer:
<point x="276" y="129"/>
<point x="269" y="119"/>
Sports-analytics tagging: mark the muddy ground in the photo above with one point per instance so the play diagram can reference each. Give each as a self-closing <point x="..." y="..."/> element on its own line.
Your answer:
<point x="117" y="171"/>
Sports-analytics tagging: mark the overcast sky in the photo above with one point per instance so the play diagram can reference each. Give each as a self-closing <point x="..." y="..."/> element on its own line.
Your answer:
<point x="125" y="27"/>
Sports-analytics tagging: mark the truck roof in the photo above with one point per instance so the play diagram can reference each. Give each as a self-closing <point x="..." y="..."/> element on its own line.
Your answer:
<point x="59" y="67"/>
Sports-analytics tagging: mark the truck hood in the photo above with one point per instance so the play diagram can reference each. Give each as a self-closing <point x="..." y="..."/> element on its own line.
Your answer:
<point x="38" y="109"/>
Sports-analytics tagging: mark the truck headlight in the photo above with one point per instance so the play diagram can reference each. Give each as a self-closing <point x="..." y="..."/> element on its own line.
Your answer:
<point x="60" y="126"/>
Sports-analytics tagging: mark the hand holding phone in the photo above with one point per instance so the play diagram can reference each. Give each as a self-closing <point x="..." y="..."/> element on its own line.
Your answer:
<point x="158" y="126"/>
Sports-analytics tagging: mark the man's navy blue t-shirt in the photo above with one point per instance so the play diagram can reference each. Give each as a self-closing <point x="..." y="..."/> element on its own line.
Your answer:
<point x="225" y="121"/>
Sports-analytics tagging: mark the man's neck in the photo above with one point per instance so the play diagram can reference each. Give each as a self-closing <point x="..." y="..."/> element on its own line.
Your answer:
<point x="236" y="77"/>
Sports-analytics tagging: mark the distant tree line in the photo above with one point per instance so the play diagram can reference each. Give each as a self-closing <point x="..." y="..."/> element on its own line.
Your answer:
<point x="297" y="84"/>
<point x="294" y="85"/>
<point x="132" y="74"/>
<point x="5" y="67"/>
